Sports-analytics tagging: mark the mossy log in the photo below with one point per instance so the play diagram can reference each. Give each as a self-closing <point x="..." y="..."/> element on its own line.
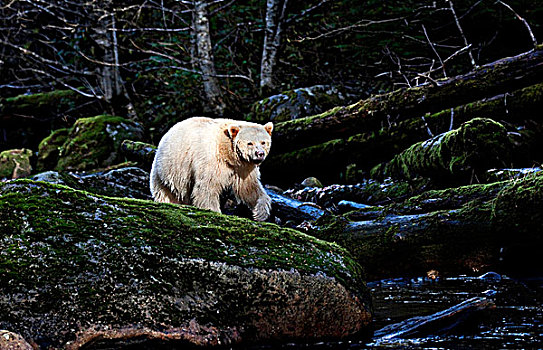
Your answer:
<point x="79" y="270"/>
<point x="365" y="192"/>
<point x="36" y="115"/>
<point x="499" y="229"/>
<point x="489" y="80"/>
<point x="375" y="146"/>
<point x="44" y="106"/>
<point x="475" y="147"/>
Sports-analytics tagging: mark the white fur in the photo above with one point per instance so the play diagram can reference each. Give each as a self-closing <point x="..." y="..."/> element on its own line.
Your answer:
<point x="199" y="158"/>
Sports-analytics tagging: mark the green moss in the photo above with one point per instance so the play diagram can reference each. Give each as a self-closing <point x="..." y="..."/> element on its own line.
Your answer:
<point x="457" y="230"/>
<point x="46" y="99"/>
<point x="33" y="211"/>
<point x="477" y="145"/>
<point x="15" y="163"/>
<point x="82" y="261"/>
<point x="49" y="149"/>
<point x="95" y="142"/>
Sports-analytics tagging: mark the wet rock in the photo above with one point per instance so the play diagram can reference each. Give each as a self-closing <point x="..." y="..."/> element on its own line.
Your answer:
<point x="297" y="103"/>
<point x="15" y="163"/>
<point x="312" y="182"/>
<point x="79" y="269"/>
<point x="13" y="341"/>
<point x="130" y="182"/>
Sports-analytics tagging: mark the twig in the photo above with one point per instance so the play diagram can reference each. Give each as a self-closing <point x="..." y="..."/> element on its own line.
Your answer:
<point x="462" y="33"/>
<point x="534" y="41"/>
<point x="427" y="127"/>
<point x="434" y="49"/>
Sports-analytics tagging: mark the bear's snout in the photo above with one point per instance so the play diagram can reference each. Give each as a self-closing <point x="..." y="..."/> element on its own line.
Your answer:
<point x="259" y="156"/>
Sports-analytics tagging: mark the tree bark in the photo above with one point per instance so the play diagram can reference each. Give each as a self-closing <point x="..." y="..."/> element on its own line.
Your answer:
<point x="380" y="111"/>
<point x="205" y="60"/>
<point x="500" y="232"/>
<point x="110" y="78"/>
<point x="275" y="15"/>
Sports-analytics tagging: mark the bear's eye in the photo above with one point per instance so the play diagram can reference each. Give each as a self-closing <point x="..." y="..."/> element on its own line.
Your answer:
<point x="249" y="143"/>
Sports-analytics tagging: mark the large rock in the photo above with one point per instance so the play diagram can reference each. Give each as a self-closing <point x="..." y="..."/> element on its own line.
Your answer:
<point x="297" y="103"/>
<point x="49" y="149"/>
<point x="91" y="143"/>
<point x="78" y="269"/>
<point x="130" y="182"/>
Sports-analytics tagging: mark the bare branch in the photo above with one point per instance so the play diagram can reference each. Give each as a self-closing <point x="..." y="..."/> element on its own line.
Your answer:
<point x="534" y="41"/>
<point x="434" y="49"/>
<point x="474" y="65"/>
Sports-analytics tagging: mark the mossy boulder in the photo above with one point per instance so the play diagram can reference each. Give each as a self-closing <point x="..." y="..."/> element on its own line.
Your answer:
<point x="476" y="146"/>
<point x="49" y="149"/>
<point x="81" y="270"/>
<point x="91" y="143"/>
<point x="15" y="163"/>
<point x="128" y="182"/>
<point x="297" y="103"/>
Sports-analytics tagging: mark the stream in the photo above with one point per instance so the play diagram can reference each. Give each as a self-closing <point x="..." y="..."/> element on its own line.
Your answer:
<point x="490" y="311"/>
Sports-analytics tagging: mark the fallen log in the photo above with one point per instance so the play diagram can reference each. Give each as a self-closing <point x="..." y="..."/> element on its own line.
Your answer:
<point x="500" y="233"/>
<point x="489" y="80"/>
<point x="328" y="160"/>
<point x="365" y="192"/>
<point x="437" y="323"/>
<point x="78" y="270"/>
<point x="457" y="155"/>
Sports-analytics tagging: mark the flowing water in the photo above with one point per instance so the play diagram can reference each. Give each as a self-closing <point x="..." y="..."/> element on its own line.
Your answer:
<point x="485" y="312"/>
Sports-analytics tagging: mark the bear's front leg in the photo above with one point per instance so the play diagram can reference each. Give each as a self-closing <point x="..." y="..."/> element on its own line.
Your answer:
<point x="262" y="209"/>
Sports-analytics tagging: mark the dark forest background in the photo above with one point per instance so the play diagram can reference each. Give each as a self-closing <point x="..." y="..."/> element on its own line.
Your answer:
<point x="161" y="61"/>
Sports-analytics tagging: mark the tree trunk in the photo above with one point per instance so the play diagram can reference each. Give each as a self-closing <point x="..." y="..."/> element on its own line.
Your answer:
<point x="275" y="15"/>
<point x="205" y="61"/>
<point x="503" y="233"/>
<point x="110" y="79"/>
<point x="382" y="111"/>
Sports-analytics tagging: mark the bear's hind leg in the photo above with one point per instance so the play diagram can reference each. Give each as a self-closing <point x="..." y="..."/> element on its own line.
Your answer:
<point x="163" y="195"/>
<point x="160" y="192"/>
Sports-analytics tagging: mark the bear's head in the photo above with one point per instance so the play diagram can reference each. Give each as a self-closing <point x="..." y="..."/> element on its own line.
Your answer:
<point x="252" y="142"/>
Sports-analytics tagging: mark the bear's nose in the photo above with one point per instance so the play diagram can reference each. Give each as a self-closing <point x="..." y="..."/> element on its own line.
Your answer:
<point x="259" y="154"/>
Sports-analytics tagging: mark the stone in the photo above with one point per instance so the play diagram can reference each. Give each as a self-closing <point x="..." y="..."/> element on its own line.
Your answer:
<point x="297" y="103"/>
<point x="80" y="270"/>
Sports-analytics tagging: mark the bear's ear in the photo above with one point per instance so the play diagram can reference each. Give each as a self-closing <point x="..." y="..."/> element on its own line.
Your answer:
<point x="269" y="127"/>
<point x="232" y="131"/>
